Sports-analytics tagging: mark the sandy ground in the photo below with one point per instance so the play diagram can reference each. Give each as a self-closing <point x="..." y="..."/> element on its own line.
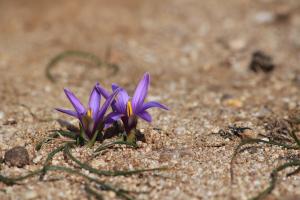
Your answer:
<point x="197" y="53"/>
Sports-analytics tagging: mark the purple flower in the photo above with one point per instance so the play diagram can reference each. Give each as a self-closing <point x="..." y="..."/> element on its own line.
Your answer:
<point x="93" y="118"/>
<point x="129" y="109"/>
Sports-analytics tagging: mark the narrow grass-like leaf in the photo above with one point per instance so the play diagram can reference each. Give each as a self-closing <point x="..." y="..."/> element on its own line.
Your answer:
<point x="75" y="53"/>
<point x="48" y="139"/>
<point x="12" y="181"/>
<point x="294" y="172"/>
<point x="106" y="146"/>
<point x="91" y="143"/>
<point x="92" y="192"/>
<point x="119" y="192"/>
<point x="273" y="181"/>
<point x="49" y="159"/>
<point x="294" y="136"/>
<point x="54" y="135"/>
<point x="255" y="141"/>
<point x="107" y="172"/>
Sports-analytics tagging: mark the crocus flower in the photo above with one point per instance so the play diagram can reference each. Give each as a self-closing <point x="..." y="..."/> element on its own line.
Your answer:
<point x="129" y="109"/>
<point x="93" y="118"/>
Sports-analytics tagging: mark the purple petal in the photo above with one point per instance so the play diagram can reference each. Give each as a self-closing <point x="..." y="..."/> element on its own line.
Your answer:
<point x="102" y="91"/>
<point x="140" y="93"/>
<point x="107" y="124"/>
<point x="152" y="104"/>
<point x="94" y="102"/>
<point x="114" y="116"/>
<point x="75" y="102"/>
<point x="145" y="116"/>
<point x="120" y="103"/>
<point x="72" y="113"/>
<point x="111" y="118"/>
<point x="105" y="106"/>
<point x="68" y="112"/>
<point x="114" y="86"/>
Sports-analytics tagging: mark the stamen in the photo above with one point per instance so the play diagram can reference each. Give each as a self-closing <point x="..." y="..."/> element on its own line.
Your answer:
<point x="89" y="113"/>
<point x="129" y="109"/>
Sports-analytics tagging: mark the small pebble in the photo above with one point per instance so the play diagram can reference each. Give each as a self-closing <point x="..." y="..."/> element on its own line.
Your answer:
<point x="180" y="130"/>
<point x="263" y="112"/>
<point x="98" y="163"/>
<point x="165" y="156"/>
<point x="237" y="44"/>
<point x="186" y="153"/>
<point x="10" y="121"/>
<point x="30" y="195"/>
<point x="17" y="156"/>
<point x="48" y="88"/>
<point x="1" y="115"/>
<point x="234" y="103"/>
<point x="37" y="159"/>
<point x="260" y="61"/>
<point x="111" y="195"/>
<point x="249" y="134"/>
<point x="264" y="17"/>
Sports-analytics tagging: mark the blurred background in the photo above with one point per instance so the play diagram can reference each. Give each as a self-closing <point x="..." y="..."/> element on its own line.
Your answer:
<point x="193" y="40"/>
<point x="164" y="37"/>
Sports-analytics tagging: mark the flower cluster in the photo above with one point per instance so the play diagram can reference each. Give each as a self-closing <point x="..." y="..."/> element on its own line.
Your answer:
<point x="94" y="119"/>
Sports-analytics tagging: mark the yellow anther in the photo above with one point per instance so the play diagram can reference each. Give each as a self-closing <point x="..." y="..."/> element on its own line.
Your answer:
<point x="129" y="109"/>
<point x="89" y="113"/>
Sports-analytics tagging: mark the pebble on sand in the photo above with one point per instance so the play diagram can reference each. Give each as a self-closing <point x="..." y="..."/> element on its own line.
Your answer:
<point x="16" y="157"/>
